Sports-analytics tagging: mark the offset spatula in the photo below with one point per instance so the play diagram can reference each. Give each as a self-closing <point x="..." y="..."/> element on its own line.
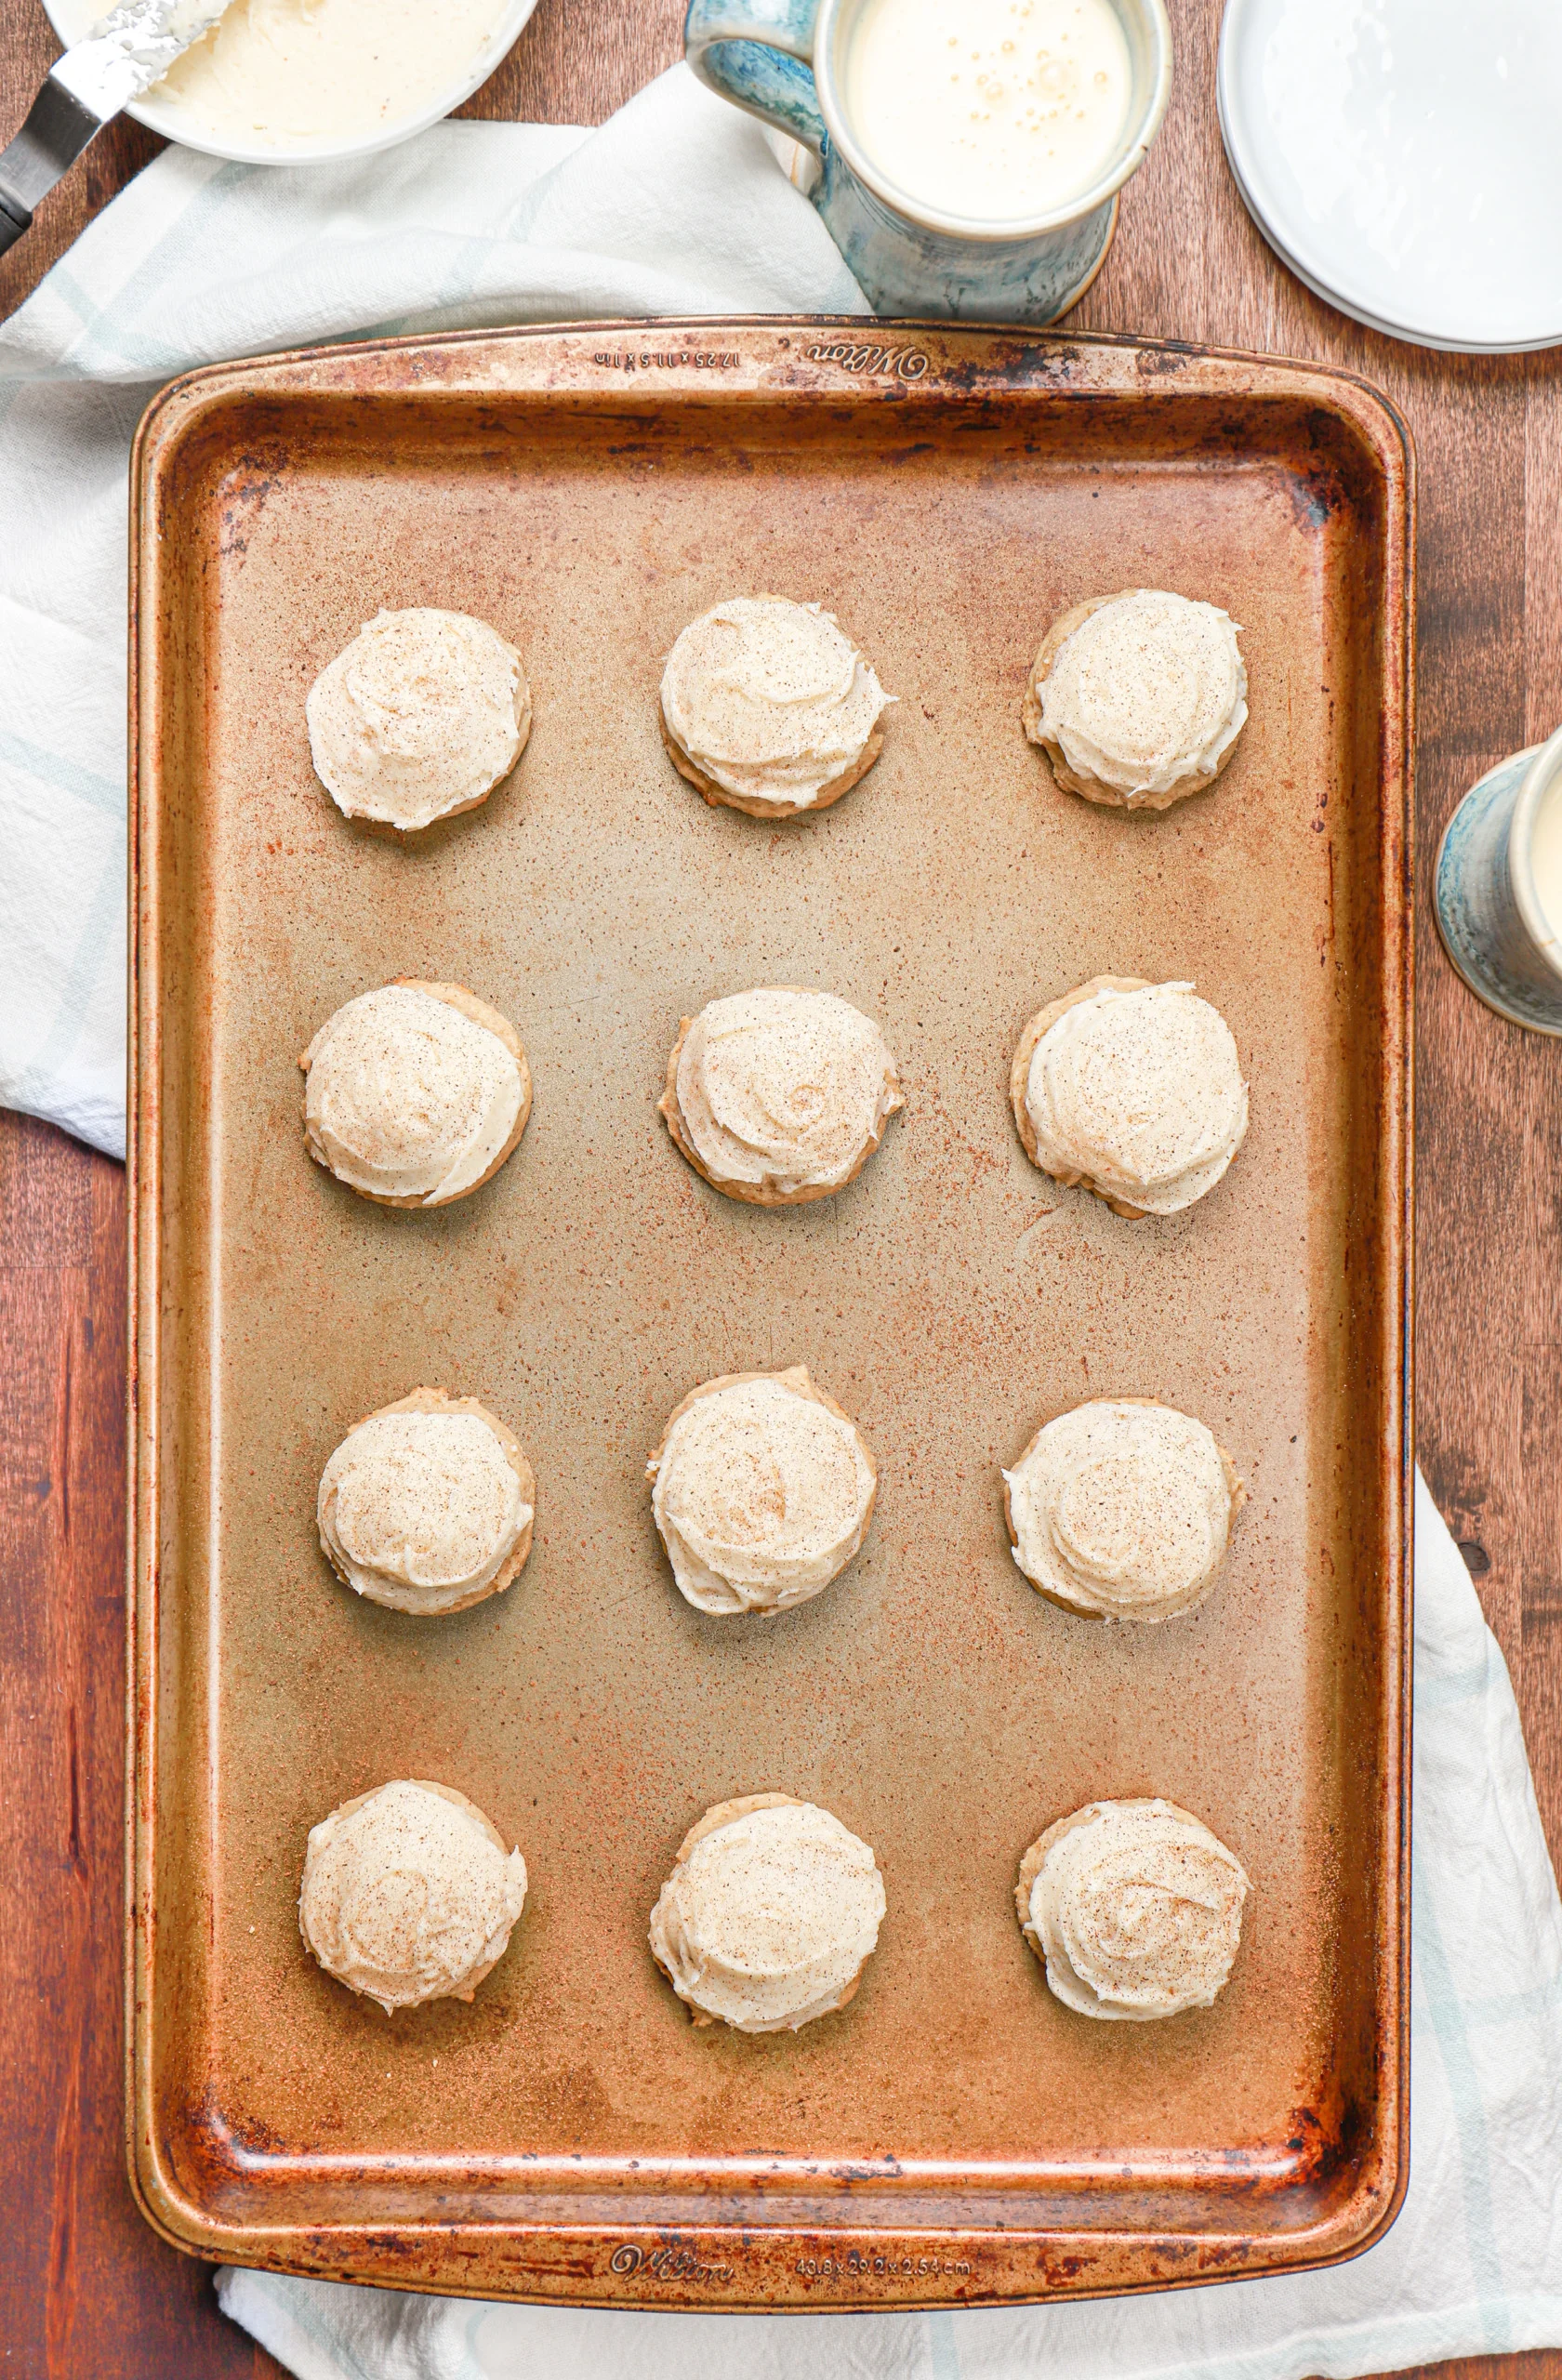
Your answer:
<point x="132" y="48"/>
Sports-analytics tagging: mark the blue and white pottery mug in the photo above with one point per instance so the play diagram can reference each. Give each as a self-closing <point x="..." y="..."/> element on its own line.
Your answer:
<point x="1498" y="888"/>
<point x="786" y="62"/>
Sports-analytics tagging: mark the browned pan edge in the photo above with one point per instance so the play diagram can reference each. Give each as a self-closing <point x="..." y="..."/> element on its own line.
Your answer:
<point x="889" y="2237"/>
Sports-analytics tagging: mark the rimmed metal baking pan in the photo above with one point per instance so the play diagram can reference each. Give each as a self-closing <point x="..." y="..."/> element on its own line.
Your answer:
<point x="956" y="2135"/>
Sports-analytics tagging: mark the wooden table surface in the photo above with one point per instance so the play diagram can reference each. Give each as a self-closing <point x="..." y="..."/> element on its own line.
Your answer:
<point x="85" y="2290"/>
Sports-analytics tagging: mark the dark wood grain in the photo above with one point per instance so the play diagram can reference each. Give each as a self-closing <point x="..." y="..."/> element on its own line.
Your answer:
<point x="85" y="2288"/>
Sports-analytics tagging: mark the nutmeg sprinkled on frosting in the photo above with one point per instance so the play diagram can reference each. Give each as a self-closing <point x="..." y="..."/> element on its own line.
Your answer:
<point x="780" y="1095"/>
<point x="410" y="1098"/>
<point x="1122" y="1509"/>
<point x="769" y="1914"/>
<point x="771" y="701"/>
<point x="1135" y="1089"/>
<point x="408" y="1894"/>
<point x="419" y="717"/>
<point x="1134" y="1908"/>
<point x="1143" y="700"/>
<point x="761" y="1492"/>
<point x="423" y="1505"/>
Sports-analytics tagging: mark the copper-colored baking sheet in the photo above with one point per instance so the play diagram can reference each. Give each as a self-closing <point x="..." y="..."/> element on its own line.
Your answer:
<point x="956" y="2135"/>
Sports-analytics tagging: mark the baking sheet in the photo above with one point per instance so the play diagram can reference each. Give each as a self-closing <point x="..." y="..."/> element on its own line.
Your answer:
<point x="956" y="2134"/>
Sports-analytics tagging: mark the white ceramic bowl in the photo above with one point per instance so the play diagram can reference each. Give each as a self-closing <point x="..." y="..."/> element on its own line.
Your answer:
<point x="72" y="19"/>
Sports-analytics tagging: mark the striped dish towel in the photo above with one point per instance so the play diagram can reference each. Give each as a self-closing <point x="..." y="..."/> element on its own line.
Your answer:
<point x="675" y="208"/>
<point x="1473" y="2266"/>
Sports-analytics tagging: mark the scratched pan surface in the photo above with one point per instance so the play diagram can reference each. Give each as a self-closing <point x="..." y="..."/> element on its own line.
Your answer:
<point x="956" y="2134"/>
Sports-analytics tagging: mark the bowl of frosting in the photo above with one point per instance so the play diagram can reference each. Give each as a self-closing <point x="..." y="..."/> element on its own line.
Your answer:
<point x="292" y="82"/>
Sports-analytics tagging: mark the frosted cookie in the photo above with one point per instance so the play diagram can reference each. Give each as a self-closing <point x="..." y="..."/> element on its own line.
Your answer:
<point x="418" y="718"/>
<point x="771" y="1912"/>
<point x="408" y="1894"/>
<point x="415" y="1094"/>
<point x="427" y="1506"/>
<point x="779" y="1095"/>
<point x="1133" y="1908"/>
<point x="767" y="705"/>
<point x="1133" y="1090"/>
<point x="761" y="1490"/>
<point x="1139" y="698"/>
<point x="1122" y="1509"/>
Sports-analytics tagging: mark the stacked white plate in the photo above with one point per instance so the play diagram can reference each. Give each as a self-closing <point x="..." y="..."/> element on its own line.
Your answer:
<point x="1404" y="158"/>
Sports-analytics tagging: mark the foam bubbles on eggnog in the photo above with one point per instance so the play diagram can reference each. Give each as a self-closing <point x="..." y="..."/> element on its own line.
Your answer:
<point x="989" y="109"/>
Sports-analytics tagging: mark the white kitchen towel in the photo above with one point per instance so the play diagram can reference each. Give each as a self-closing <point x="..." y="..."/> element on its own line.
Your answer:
<point x="677" y="206"/>
<point x="1473" y="2266"/>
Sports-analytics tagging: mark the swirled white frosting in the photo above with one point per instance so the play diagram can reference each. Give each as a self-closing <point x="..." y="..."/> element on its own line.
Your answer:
<point x="421" y="714"/>
<point x="762" y="1495"/>
<point x="769" y="699"/>
<point x="1138" y="1909"/>
<point x="407" y="1097"/>
<point x="1141" y="1093"/>
<point x="1146" y="692"/>
<point x="410" y="1896"/>
<point x="1123" y="1509"/>
<point x="420" y="1510"/>
<point x="767" y="1920"/>
<point x="783" y="1089"/>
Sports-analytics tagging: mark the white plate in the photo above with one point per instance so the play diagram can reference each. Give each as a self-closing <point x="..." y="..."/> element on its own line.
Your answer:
<point x="1404" y="158"/>
<point x="72" y="19"/>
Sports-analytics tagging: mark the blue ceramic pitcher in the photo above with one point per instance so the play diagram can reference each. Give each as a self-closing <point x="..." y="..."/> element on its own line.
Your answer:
<point x="784" y="61"/>
<point x="1487" y="904"/>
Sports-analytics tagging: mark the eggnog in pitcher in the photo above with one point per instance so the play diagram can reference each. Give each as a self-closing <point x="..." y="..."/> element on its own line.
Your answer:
<point x="1546" y="858"/>
<point x="991" y="110"/>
